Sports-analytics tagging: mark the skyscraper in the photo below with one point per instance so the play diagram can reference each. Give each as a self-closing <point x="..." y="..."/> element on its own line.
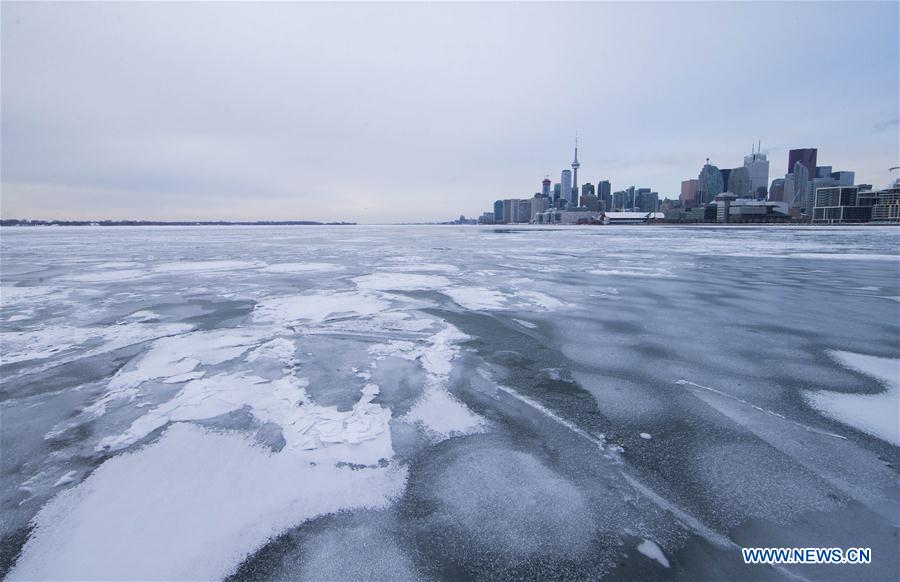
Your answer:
<point x="802" y="186"/>
<point x="587" y="188"/>
<point x="689" y="190"/>
<point x="739" y="182"/>
<point x="545" y="187"/>
<point x="604" y="194"/>
<point x="565" y="180"/>
<point x="498" y="211"/>
<point x="844" y="178"/>
<point x="726" y="173"/>
<point x="711" y="184"/>
<point x="776" y="191"/>
<point x="603" y="189"/>
<point x="758" y="166"/>
<point x="807" y="157"/>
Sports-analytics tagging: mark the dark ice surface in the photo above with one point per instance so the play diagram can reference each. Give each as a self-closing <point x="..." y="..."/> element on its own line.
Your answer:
<point x="633" y="384"/>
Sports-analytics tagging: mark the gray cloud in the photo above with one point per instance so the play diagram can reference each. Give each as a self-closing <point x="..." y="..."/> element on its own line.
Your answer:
<point x="396" y="112"/>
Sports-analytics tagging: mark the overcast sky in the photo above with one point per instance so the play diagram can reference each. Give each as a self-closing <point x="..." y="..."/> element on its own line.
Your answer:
<point x="417" y="112"/>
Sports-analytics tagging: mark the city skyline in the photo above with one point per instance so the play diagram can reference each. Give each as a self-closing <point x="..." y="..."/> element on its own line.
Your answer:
<point x="141" y="120"/>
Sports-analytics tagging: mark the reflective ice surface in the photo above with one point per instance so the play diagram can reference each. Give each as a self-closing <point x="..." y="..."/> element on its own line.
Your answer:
<point x="447" y="402"/>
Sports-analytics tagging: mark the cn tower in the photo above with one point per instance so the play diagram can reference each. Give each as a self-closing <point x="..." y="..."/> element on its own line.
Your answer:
<point x="575" y="166"/>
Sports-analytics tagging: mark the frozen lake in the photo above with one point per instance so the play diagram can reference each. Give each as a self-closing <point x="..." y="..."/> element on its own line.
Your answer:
<point x="331" y="403"/>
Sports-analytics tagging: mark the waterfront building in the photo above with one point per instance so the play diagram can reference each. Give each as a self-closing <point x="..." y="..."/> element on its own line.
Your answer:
<point x="620" y="200"/>
<point x="887" y="205"/>
<point x="522" y="211"/>
<point x="498" y="211"/>
<point x="723" y="206"/>
<point x="748" y="210"/>
<point x="589" y="201"/>
<point x="840" y="204"/>
<point x="691" y="214"/>
<point x="507" y="211"/>
<point x="539" y="204"/>
<point x="631" y="217"/>
<point x="570" y="217"/>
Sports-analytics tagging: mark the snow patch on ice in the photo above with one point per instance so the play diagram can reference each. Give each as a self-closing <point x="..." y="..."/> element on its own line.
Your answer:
<point x="202" y="266"/>
<point x="401" y="282"/>
<point x="634" y="272"/>
<point x="302" y="268"/>
<point x="443" y="416"/>
<point x="524" y="323"/>
<point x="476" y="298"/>
<point x="874" y="414"/>
<point x="317" y="307"/>
<point x="441" y="267"/>
<point x="52" y="340"/>
<point x="652" y="551"/>
<point x="331" y="434"/>
<point x="105" y="276"/>
<point x="541" y="299"/>
<point x="845" y="256"/>
<point x="180" y="354"/>
<point x="66" y="479"/>
<point x="646" y="436"/>
<point x="204" y="501"/>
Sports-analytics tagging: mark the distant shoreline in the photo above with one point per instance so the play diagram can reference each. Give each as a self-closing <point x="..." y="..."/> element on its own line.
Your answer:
<point x="17" y="222"/>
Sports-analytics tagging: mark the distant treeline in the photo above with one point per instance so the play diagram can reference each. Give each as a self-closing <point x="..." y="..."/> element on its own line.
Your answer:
<point x="17" y="222"/>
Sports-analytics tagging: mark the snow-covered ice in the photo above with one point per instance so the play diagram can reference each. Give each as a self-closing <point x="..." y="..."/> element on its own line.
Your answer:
<point x="189" y="507"/>
<point x="445" y="402"/>
<point x="875" y="414"/>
